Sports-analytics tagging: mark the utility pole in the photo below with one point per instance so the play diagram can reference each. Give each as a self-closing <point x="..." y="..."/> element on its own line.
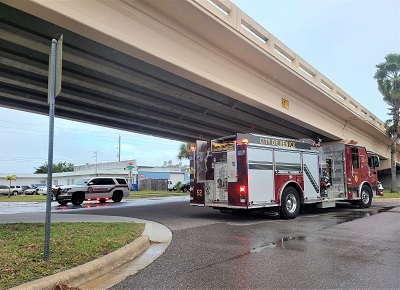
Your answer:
<point x="119" y="148"/>
<point x="95" y="155"/>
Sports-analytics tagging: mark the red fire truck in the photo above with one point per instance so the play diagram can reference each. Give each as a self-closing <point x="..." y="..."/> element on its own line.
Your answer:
<point x="246" y="172"/>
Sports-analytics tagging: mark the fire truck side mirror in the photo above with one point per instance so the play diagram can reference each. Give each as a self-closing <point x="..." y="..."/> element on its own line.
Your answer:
<point x="376" y="161"/>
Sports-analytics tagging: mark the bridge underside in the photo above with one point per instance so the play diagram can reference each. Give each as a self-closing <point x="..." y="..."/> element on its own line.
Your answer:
<point x="106" y="87"/>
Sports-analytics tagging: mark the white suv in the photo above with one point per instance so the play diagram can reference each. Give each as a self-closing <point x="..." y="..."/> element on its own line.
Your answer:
<point x="16" y="189"/>
<point x="96" y="188"/>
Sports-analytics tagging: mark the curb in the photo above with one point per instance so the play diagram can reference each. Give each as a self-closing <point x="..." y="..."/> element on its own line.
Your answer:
<point x="75" y="276"/>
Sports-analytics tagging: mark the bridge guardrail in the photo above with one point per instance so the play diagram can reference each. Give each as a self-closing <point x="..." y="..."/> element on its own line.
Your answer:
<point x="236" y="18"/>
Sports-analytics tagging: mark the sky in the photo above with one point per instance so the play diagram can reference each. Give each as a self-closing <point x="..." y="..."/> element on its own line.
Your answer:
<point x="343" y="39"/>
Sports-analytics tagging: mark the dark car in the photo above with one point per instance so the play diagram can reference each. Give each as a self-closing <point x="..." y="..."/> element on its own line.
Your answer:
<point x="185" y="186"/>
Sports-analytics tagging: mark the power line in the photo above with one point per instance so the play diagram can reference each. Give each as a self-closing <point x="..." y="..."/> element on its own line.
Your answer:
<point x="129" y="139"/>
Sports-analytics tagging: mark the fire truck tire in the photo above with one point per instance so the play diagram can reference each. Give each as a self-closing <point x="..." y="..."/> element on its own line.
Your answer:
<point x="78" y="198"/>
<point x="366" y="197"/>
<point x="290" y="203"/>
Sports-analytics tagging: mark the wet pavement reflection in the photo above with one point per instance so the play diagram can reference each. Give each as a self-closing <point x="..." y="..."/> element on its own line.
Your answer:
<point x="281" y="243"/>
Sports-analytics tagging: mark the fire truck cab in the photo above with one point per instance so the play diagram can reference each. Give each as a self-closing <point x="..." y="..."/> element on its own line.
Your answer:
<point x="246" y="172"/>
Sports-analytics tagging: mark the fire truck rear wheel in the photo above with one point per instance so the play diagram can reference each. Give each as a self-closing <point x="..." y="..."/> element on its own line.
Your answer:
<point x="290" y="203"/>
<point x="366" y="197"/>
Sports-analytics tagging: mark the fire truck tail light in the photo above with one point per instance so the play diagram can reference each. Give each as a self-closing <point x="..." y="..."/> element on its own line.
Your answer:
<point x="242" y="194"/>
<point x="192" y="148"/>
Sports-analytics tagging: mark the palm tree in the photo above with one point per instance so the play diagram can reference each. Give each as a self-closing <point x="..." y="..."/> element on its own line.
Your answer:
<point x="184" y="151"/>
<point x="388" y="79"/>
<point x="390" y="128"/>
<point x="10" y="178"/>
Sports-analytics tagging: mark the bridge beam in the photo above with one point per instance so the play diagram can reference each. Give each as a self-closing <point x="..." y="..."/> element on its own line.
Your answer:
<point x="239" y="59"/>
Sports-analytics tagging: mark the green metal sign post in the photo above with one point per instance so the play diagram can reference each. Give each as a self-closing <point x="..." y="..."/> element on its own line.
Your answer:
<point x="54" y="89"/>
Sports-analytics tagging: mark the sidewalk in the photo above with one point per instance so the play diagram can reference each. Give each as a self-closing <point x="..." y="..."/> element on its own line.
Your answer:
<point x="108" y="270"/>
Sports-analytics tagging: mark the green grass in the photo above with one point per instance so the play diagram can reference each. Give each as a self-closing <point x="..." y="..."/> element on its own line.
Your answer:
<point x="147" y="194"/>
<point x="133" y="195"/>
<point x="71" y="244"/>
<point x="388" y="194"/>
<point x="22" y="198"/>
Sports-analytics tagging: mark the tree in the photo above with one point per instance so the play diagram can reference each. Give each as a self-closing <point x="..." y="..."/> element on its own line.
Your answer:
<point x="390" y="128"/>
<point x="59" y="167"/>
<point x="184" y="151"/>
<point x="388" y="79"/>
<point x="10" y="178"/>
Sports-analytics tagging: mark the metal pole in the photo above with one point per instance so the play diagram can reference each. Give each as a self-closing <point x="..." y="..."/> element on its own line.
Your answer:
<point x="130" y="179"/>
<point x="52" y="87"/>
<point x="119" y="148"/>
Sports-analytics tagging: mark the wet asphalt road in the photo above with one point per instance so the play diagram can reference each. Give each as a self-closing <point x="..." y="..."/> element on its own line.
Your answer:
<point x="343" y="247"/>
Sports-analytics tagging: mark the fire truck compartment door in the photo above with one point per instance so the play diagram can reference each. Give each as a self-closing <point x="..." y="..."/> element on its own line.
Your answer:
<point x="260" y="175"/>
<point x="221" y="181"/>
<point x="311" y="175"/>
<point x="200" y="162"/>
<point x="231" y="166"/>
<point x="217" y="189"/>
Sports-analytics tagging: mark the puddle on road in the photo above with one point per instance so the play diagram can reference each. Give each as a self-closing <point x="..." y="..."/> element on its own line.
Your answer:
<point x="385" y="209"/>
<point x="281" y="243"/>
<point x="351" y="216"/>
<point x="277" y="244"/>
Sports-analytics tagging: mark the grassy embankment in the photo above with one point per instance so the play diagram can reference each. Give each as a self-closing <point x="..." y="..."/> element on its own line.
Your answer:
<point x="71" y="244"/>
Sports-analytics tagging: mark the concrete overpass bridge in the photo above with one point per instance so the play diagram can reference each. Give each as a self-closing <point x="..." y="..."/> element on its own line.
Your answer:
<point x="183" y="70"/>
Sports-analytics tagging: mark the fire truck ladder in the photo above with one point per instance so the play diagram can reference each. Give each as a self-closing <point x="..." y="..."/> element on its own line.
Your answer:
<point x="311" y="178"/>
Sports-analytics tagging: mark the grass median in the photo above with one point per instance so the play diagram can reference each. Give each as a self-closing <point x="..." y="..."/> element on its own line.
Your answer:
<point x="71" y="244"/>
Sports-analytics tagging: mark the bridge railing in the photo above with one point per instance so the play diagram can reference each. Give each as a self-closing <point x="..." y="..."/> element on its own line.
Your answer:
<point x="254" y="32"/>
